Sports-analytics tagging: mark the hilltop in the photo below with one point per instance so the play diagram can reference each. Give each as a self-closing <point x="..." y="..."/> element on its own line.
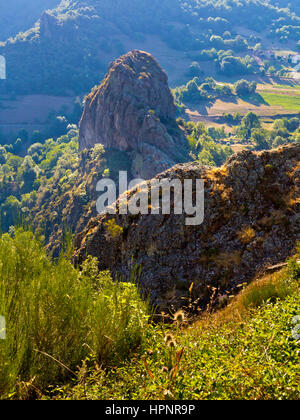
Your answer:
<point x="133" y="111"/>
<point x="19" y="15"/>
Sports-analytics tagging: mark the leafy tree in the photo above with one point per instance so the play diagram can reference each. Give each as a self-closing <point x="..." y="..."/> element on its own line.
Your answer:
<point x="27" y="173"/>
<point x="251" y="121"/>
<point x="10" y="212"/>
<point x="278" y="141"/>
<point x="23" y="135"/>
<point x="14" y="161"/>
<point x="2" y="155"/>
<point x="36" y="136"/>
<point x="258" y="138"/>
<point x="195" y="70"/>
<point x="292" y="124"/>
<point x="217" y="41"/>
<point x="224" y="90"/>
<point x="18" y="146"/>
<point x="231" y="65"/>
<point x="243" y="87"/>
<point x="191" y="92"/>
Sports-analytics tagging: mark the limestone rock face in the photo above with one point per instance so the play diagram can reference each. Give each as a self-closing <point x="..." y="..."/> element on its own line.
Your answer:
<point x="251" y="221"/>
<point x="133" y="111"/>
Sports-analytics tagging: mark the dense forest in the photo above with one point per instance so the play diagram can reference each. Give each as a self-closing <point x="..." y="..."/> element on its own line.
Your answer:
<point x="92" y="34"/>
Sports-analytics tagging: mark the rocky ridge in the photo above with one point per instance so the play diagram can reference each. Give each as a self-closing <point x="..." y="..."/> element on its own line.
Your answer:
<point x="252" y="220"/>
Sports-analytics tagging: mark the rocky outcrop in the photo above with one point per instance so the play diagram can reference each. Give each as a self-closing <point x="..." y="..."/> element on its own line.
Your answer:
<point x="133" y="111"/>
<point x="252" y="220"/>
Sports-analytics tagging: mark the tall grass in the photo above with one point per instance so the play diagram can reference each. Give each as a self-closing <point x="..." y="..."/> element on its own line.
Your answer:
<point x="273" y="287"/>
<point x="270" y="288"/>
<point x="57" y="316"/>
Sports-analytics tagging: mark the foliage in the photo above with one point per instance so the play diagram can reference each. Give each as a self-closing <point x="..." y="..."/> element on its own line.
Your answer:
<point x="19" y="15"/>
<point x="243" y="88"/>
<point x="75" y="32"/>
<point x="203" y="143"/>
<point x="230" y="65"/>
<point x="240" y="352"/>
<point x="195" y="92"/>
<point x="57" y="316"/>
<point x="20" y="176"/>
<point x="113" y="230"/>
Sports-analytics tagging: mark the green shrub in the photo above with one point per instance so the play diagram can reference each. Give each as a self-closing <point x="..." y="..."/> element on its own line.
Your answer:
<point x="226" y="356"/>
<point x="57" y="316"/>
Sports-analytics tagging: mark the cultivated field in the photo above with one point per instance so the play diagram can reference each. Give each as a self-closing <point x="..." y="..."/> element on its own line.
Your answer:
<point x="31" y="111"/>
<point x="271" y="100"/>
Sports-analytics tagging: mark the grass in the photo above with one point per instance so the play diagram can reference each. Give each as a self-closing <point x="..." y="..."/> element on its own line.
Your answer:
<point x="269" y="288"/>
<point x="56" y="317"/>
<point x="79" y="335"/>
<point x="245" y="351"/>
<point x="289" y="102"/>
<point x="284" y="87"/>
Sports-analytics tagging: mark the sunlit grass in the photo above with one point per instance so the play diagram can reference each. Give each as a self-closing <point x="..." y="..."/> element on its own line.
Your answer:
<point x="289" y="102"/>
<point x="245" y="351"/>
<point x="57" y="316"/>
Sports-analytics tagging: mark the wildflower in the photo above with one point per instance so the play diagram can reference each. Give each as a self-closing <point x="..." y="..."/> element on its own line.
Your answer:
<point x="169" y="337"/>
<point x="171" y="344"/>
<point x="179" y="316"/>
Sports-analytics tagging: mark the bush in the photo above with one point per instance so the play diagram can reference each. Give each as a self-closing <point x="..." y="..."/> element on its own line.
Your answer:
<point x="224" y="91"/>
<point x="242" y="87"/>
<point x="191" y="92"/>
<point x="231" y="66"/>
<point x="57" y="316"/>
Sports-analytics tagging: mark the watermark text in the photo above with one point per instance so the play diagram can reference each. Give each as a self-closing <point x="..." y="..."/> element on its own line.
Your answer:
<point x="158" y="196"/>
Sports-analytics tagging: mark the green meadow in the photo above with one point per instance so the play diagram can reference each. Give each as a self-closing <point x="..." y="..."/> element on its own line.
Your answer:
<point x="289" y="101"/>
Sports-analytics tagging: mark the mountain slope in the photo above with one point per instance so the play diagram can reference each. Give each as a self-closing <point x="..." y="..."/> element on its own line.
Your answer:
<point x="72" y="44"/>
<point x="19" y="15"/>
<point x="238" y="353"/>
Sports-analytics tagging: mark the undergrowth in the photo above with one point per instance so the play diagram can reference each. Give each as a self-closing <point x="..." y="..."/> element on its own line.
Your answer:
<point x="74" y="334"/>
<point x="57" y="316"/>
<point x="248" y="350"/>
